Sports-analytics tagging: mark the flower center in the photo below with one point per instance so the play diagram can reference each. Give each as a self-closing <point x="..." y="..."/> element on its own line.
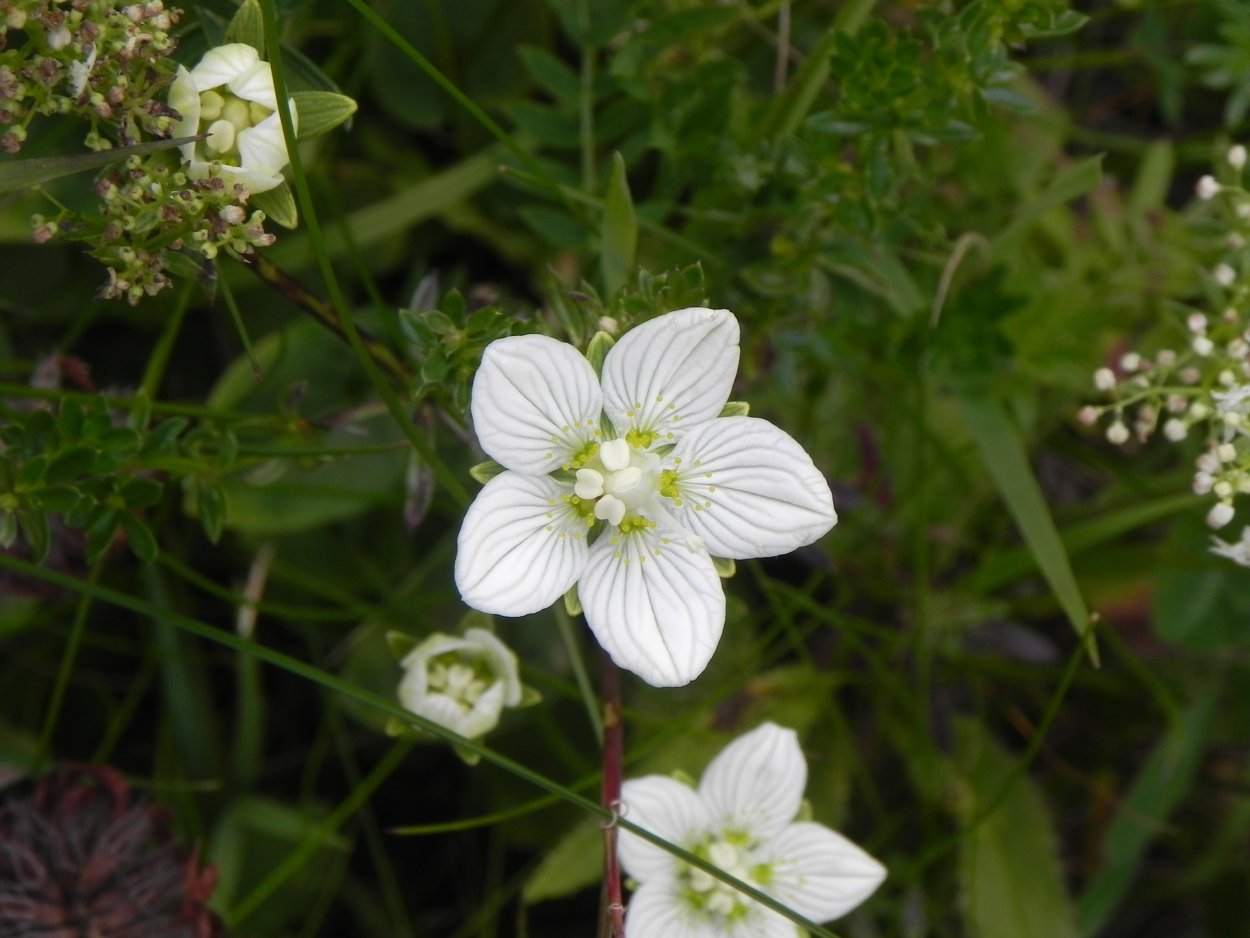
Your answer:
<point x="462" y="682"/>
<point x="618" y="479"/>
<point x="718" y="900"/>
<point x="223" y="116"/>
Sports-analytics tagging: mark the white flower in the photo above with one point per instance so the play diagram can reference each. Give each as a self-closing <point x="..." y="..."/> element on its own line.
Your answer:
<point x="1219" y="515"/>
<point x="1237" y="156"/>
<point x="1207" y="187"/>
<point x="1238" y="552"/>
<point x="741" y="819"/>
<point x="229" y="96"/>
<point x="461" y="682"/>
<point x="646" y="454"/>
<point x="1104" y="379"/>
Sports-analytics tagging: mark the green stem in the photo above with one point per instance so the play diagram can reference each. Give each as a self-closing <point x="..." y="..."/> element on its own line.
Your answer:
<point x="564" y="623"/>
<point x="66" y="669"/>
<point x="159" y="360"/>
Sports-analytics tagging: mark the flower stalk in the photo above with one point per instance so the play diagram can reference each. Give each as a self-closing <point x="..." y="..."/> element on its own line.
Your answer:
<point x="612" y="924"/>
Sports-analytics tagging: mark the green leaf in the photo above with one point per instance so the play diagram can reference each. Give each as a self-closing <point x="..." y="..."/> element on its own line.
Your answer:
<point x="36" y="528"/>
<point x="26" y="174"/>
<point x="211" y="505"/>
<point x="140" y="537"/>
<point x="1140" y="817"/>
<point x="1009" y="868"/>
<point x="141" y="493"/>
<point x="278" y="204"/>
<point x="248" y="26"/>
<point x="400" y="643"/>
<point x="69" y="464"/>
<point x="573" y="864"/>
<point x="321" y="111"/>
<point x="620" y="230"/>
<point x="8" y="529"/>
<point x="1072" y="181"/>
<point x="1004" y="456"/>
<point x="553" y="75"/>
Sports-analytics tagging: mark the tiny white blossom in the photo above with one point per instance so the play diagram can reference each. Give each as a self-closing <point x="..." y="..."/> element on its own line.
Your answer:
<point x="741" y="819"/>
<point x="1104" y="379"/>
<point x="1238" y="552"/>
<point x="1207" y="187"/>
<point x="628" y="487"/>
<point x="230" y="97"/>
<point x="1117" y="433"/>
<point x="1196" y="323"/>
<point x="461" y="682"/>
<point x="1224" y="274"/>
<point x="1175" y="430"/>
<point x="1202" y="346"/>
<point x="1130" y="361"/>
<point x="1220" y="515"/>
<point x="1237" y="156"/>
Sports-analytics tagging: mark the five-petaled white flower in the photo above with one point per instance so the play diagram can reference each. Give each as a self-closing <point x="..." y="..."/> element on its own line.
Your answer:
<point x="1238" y="551"/>
<point x="740" y="819"/>
<point x="628" y="487"/>
<point x="229" y="96"/>
<point x="461" y="682"/>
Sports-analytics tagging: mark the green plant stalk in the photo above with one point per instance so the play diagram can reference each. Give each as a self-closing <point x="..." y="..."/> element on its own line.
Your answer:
<point x="320" y="310"/>
<point x="154" y="373"/>
<point x="391" y="708"/>
<point x="564" y="624"/>
<point x="612" y="920"/>
<point x="294" y="860"/>
<point x="77" y="628"/>
<point x="448" y="480"/>
<point x="237" y="318"/>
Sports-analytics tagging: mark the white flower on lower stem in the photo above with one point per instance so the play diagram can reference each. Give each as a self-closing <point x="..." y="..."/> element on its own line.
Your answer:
<point x="740" y="819"/>
<point x="461" y="682"/>
<point x="1238" y="552"/>
<point x="628" y="488"/>
<point x="230" y="97"/>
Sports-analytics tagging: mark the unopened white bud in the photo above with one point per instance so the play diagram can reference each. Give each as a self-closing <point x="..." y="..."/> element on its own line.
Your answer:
<point x="1088" y="415"/>
<point x="1237" y="156"/>
<point x="1224" y="275"/>
<point x="1175" y="430"/>
<point x="1243" y="210"/>
<point x="1207" y="187"/>
<point x="1104" y="379"/>
<point x="1203" y="346"/>
<point x="1235" y="241"/>
<point x="1223" y="489"/>
<point x="1226" y="378"/>
<point x="1117" y="433"/>
<point x="1166" y="358"/>
<point x="59" y="38"/>
<point x="1220" y="515"/>
<point x="1196" y="323"/>
<point x="1226" y="452"/>
<point x="1202" y="483"/>
<point x="1130" y="361"/>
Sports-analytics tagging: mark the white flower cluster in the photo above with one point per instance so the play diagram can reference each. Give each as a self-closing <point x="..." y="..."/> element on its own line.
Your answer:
<point x="1200" y="388"/>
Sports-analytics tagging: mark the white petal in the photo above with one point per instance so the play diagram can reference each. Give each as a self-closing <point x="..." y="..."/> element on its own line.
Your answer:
<point x="654" y="605"/>
<point x="762" y="922"/>
<point x="755" y="784"/>
<point x="484" y="716"/>
<point x="665" y="807"/>
<point x="262" y="149"/>
<point x="535" y="402"/>
<point x="820" y="873"/>
<point x="658" y="910"/>
<point x="749" y="490"/>
<point x="253" y="180"/>
<point x="673" y="372"/>
<point x="502" y="661"/>
<point x="222" y="64"/>
<point x="520" y="547"/>
<point x="256" y="84"/>
<point x="184" y="99"/>
<point x="441" y="709"/>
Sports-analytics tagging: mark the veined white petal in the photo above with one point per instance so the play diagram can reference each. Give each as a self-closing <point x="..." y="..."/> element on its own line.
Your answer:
<point x="656" y="606"/>
<point x="521" y="547"/>
<point x="535" y="402"/>
<point x="819" y="873"/>
<point x="673" y="372"/>
<point x="224" y="63"/>
<point x="255" y="84"/>
<point x="748" y="489"/>
<point x="502" y="660"/>
<point x="658" y="910"/>
<point x="666" y="807"/>
<point x="755" y="784"/>
<point x="185" y="99"/>
<point x="441" y="709"/>
<point x="762" y="922"/>
<point x="262" y="151"/>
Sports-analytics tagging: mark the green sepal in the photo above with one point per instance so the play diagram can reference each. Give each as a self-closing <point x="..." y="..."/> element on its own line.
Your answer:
<point x="725" y="567"/>
<point x="598" y="350"/>
<point x="8" y="529"/>
<point x="476" y="620"/>
<point x="572" y="603"/>
<point x="467" y="757"/>
<point x="278" y="204"/>
<point x="681" y="775"/>
<point x="400" y="643"/>
<point x="483" y="472"/>
<point x="248" y="26"/>
<point x="529" y="697"/>
<point x="397" y="727"/>
<point x="321" y="111"/>
<point x="805" y="811"/>
<point x="735" y="409"/>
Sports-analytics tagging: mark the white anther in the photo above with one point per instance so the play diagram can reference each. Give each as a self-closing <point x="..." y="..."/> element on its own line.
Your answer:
<point x="589" y="484"/>
<point x="614" y="455"/>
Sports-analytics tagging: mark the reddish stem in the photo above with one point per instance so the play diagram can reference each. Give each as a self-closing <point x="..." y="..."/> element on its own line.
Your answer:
<point x="613" y="757"/>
